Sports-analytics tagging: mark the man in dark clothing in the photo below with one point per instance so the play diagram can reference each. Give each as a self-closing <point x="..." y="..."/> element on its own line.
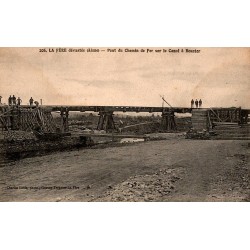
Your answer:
<point x="19" y="101"/>
<point x="192" y="103"/>
<point x="10" y="100"/>
<point x="14" y="100"/>
<point x="0" y="99"/>
<point x="31" y="101"/>
<point x="200" y="103"/>
<point x="196" y="103"/>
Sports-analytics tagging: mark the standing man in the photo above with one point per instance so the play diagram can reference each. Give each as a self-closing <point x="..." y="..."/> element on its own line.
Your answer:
<point x="0" y="99"/>
<point x="196" y="103"/>
<point x="192" y="103"/>
<point x="14" y="100"/>
<point x="19" y="101"/>
<point x="10" y="100"/>
<point x="200" y="103"/>
<point x="31" y="101"/>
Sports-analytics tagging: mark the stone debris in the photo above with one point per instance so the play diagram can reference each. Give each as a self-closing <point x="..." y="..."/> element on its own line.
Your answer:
<point x="198" y="135"/>
<point x="237" y="178"/>
<point x="154" y="187"/>
<point x="13" y="136"/>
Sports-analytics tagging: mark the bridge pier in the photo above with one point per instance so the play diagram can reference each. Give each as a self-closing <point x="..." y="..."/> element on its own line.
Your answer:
<point x="106" y="121"/>
<point x="244" y="116"/>
<point x="168" y="120"/>
<point x="64" y="119"/>
<point x="14" y="119"/>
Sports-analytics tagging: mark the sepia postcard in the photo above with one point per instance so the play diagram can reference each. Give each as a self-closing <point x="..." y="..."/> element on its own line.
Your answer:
<point x="135" y="124"/>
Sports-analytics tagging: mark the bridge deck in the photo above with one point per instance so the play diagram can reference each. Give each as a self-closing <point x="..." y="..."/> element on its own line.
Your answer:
<point x="121" y="109"/>
<point x="82" y="108"/>
<point x="79" y="108"/>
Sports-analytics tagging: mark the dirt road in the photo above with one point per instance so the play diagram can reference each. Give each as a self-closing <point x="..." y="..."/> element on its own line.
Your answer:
<point x="205" y="171"/>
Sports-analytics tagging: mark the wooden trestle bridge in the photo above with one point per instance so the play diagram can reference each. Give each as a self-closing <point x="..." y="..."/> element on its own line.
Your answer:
<point x="26" y="117"/>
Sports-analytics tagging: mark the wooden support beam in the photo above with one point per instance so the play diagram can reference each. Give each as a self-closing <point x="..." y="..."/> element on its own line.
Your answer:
<point x="216" y="115"/>
<point x="64" y="119"/>
<point x="168" y="121"/>
<point x="106" y="121"/>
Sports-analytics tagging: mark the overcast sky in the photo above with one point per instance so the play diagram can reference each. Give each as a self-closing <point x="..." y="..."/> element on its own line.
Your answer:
<point x="219" y="76"/>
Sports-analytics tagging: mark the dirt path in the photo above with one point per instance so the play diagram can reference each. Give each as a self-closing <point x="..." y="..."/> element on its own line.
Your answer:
<point x="210" y="170"/>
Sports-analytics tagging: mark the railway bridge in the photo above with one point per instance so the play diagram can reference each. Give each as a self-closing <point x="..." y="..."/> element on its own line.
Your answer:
<point x="24" y="116"/>
<point x="106" y="121"/>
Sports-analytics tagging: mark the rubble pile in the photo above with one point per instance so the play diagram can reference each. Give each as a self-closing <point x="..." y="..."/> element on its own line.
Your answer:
<point x="165" y="136"/>
<point x="13" y="136"/>
<point x="155" y="187"/>
<point x="200" y="135"/>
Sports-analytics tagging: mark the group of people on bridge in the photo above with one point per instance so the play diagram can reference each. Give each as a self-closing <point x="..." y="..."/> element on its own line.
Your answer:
<point x="13" y="101"/>
<point x="198" y="104"/>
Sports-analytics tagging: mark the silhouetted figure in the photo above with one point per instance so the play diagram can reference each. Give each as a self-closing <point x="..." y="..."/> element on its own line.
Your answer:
<point x="10" y="100"/>
<point x="14" y="100"/>
<point x="36" y="103"/>
<point x="192" y="103"/>
<point x="31" y="101"/>
<point x="0" y="99"/>
<point x="19" y="101"/>
<point x="196" y="103"/>
<point x="200" y="103"/>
